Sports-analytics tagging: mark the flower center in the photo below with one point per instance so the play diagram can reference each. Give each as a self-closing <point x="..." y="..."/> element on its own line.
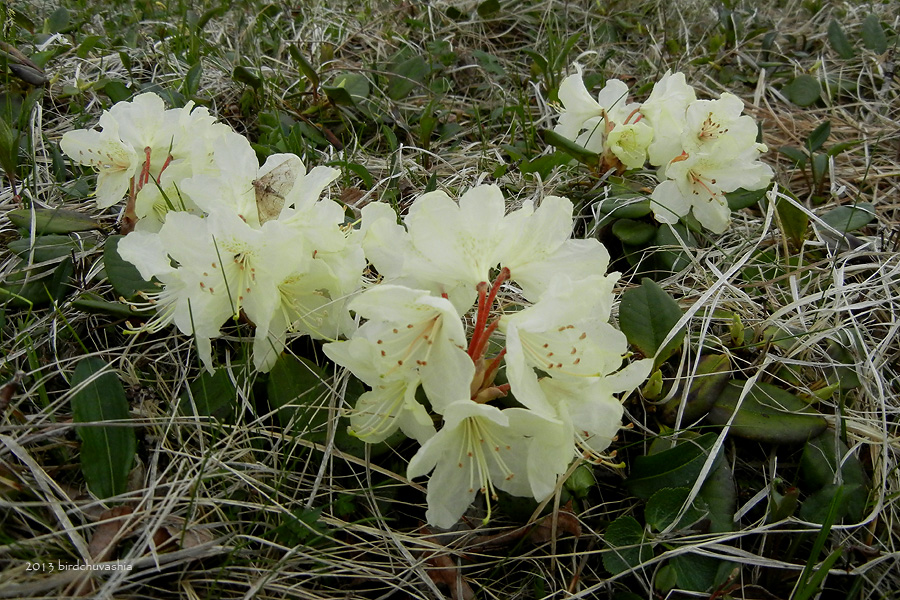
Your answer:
<point x="482" y="387"/>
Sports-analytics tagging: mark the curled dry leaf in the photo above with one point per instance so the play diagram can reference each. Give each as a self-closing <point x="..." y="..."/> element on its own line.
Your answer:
<point x="9" y="389"/>
<point x="106" y="536"/>
<point x="175" y="534"/>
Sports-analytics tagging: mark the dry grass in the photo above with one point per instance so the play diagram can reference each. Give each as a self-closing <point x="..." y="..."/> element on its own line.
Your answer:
<point x="250" y="510"/>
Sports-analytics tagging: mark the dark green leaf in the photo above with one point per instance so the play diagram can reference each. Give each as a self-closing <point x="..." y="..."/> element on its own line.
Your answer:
<point x="768" y="414"/>
<point x="633" y="232"/>
<point x="581" y="481"/>
<point x="836" y="497"/>
<point x="58" y="21"/>
<point x="107" y="450"/>
<point x="794" y="221"/>
<point x="25" y="289"/>
<point x="713" y="373"/>
<point x="46" y="247"/>
<point x="347" y="89"/>
<point x="625" y="537"/>
<point x="211" y="395"/>
<point x="873" y="36"/>
<point x="487" y="8"/>
<point x="665" y="505"/>
<point x="844" y="371"/>
<point x="212" y="13"/>
<point x="20" y="18"/>
<point x="625" y="207"/>
<point x="676" y="467"/>
<point x="296" y="388"/>
<point x="819" y="464"/>
<point x="117" y="91"/>
<point x="122" y="275"/>
<point x="839" y="40"/>
<point x="246" y="76"/>
<point x="720" y="495"/>
<point x="89" y="43"/>
<point x="646" y="316"/>
<point x="95" y="304"/>
<point x="569" y="147"/>
<point x="304" y="66"/>
<point x="666" y="579"/>
<point x="673" y="259"/>
<point x="545" y="164"/>
<point x="52" y="220"/>
<point x="742" y="198"/>
<point x="842" y="147"/>
<point x="357" y="169"/>
<point x="818" y="137"/>
<point x="9" y="148"/>
<point x="803" y="90"/>
<point x="781" y="506"/>
<point x="850" y="218"/>
<point x="798" y="157"/>
<point x="406" y="76"/>
<point x="191" y="84"/>
<point x="698" y="573"/>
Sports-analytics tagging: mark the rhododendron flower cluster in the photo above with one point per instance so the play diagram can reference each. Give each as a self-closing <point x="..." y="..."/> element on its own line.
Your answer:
<point x="703" y="149"/>
<point x="222" y="236"/>
<point x="502" y="320"/>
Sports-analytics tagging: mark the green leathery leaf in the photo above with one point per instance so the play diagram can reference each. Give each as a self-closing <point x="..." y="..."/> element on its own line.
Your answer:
<point x="646" y="316"/>
<point x="818" y="137"/>
<point x="676" y="467"/>
<point x="633" y="232"/>
<point x="58" y="21"/>
<point x="117" y="91"/>
<point x="577" y="152"/>
<point x="487" y="8"/>
<point x="29" y="288"/>
<point x="628" y="549"/>
<point x="843" y="371"/>
<point x="52" y="220"/>
<point x="625" y="207"/>
<point x="720" y="494"/>
<point x="697" y="573"/>
<point x="768" y="414"/>
<point x="295" y="388"/>
<point x="836" y="497"/>
<point x="663" y="508"/>
<point x="741" y="198"/>
<point x="304" y="66"/>
<point x="803" y="90"/>
<point x="47" y="247"/>
<point x="713" y="373"/>
<point x="101" y="412"/>
<point x="405" y="76"/>
<point x="210" y="395"/>
<point x="347" y="89"/>
<point x="666" y="579"/>
<point x="246" y="76"/>
<point x="873" y="36"/>
<point x="822" y="457"/>
<point x="781" y="506"/>
<point x="793" y="221"/>
<point x="673" y="259"/>
<point x="95" y="304"/>
<point x="191" y="84"/>
<point x="839" y="41"/>
<point x="797" y="156"/>
<point x="850" y="218"/>
<point x="124" y="276"/>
